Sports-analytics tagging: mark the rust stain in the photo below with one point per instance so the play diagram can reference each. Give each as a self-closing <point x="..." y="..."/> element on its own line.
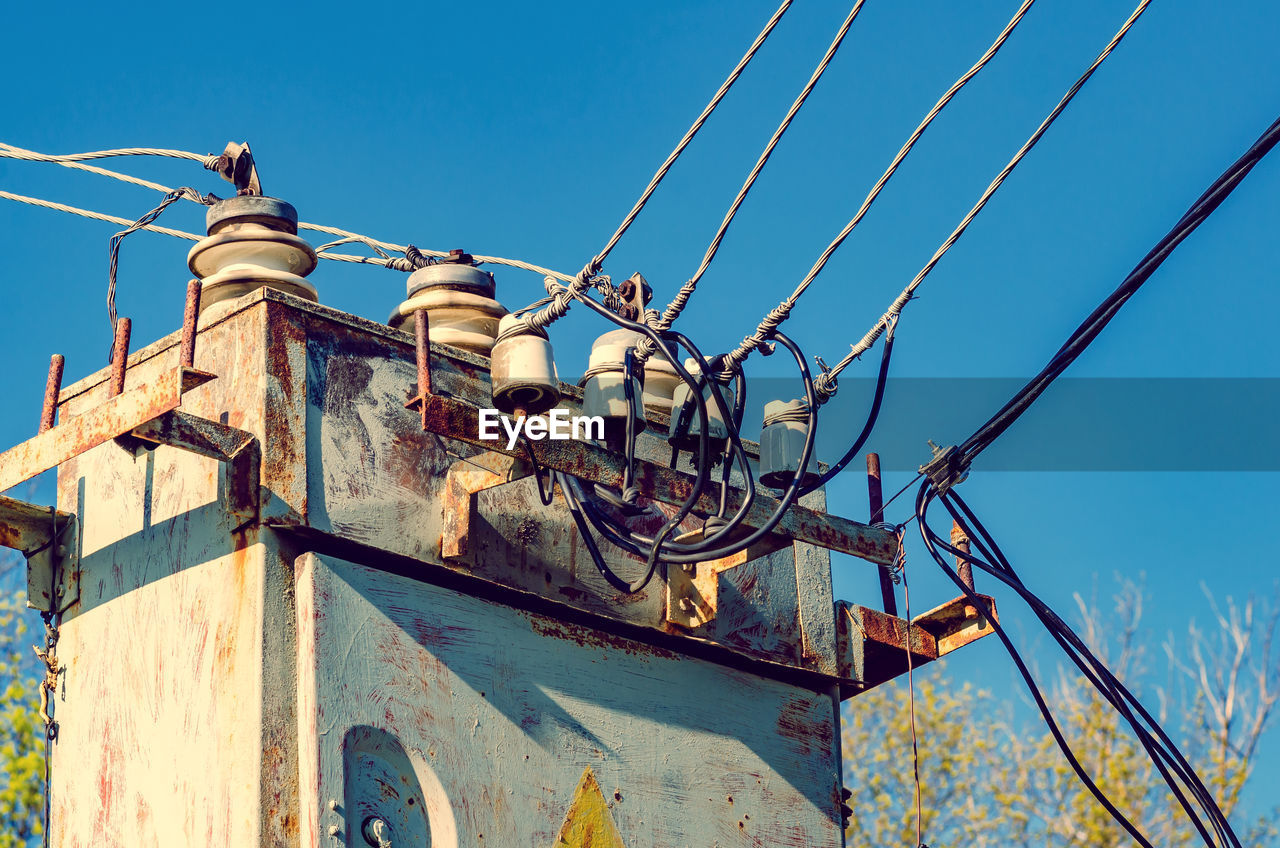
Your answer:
<point x="593" y="638"/>
<point x="810" y="733"/>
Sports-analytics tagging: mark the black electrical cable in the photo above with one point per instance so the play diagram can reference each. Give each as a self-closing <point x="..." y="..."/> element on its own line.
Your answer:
<point x="548" y="494"/>
<point x="696" y="492"/>
<point x="1094" y="669"/>
<point x="1102" y="315"/>
<point x="923" y="497"/>
<point x="872" y="416"/>
<point x="629" y="392"/>
<point x="703" y="444"/>
<point x="703" y="449"/>
<point x="732" y="419"/>
<point x="639" y="543"/>
<point x="1099" y="676"/>
<point x="1162" y="752"/>
<point x="1115" y="694"/>
<point x="789" y="495"/>
<point x="634" y="542"/>
<point x="567" y="486"/>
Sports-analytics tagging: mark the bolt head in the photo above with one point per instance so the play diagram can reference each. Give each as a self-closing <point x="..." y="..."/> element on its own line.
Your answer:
<point x="686" y="606"/>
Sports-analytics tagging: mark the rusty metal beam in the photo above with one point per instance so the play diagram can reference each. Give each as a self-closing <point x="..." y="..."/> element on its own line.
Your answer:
<point x="26" y="526"/>
<point x="237" y="449"/>
<point x="693" y="590"/>
<point x="115" y="417"/>
<point x="52" y="564"/>
<point x="465" y="479"/>
<point x="872" y="645"/>
<point x="457" y="420"/>
<point x="52" y="386"/>
<point x="957" y="623"/>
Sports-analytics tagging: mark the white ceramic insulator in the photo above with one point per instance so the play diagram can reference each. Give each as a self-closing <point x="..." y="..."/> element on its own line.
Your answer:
<point x="660" y="382"/>
<point x="244" y="257"/>
<point x="605" y="395"/>
<point x="660" y="378"/>
<point x="782" y="442"/>
<point x="523" y="370"/>
<point x="717" y="429"/>
<point x="604" y="392"/>
<point x="458" y="318"/>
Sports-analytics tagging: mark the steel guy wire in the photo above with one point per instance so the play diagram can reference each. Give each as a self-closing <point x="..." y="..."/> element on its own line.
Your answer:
<point x="781" y="312"/>
<point x="96" y="216"/>
<point x="646" y="348"/>
<point x="113" y="262"/>
<point x="11" y="152"/>
<point x="895" y="308"/>
<point x="396" y="263"/>
<point x="559" y="305"/>
<point x="375" y="244"/>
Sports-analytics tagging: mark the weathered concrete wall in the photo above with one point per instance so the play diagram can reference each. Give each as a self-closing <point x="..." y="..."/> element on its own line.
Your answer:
<point x="161" y="708"/>
<point x="204" y="705"/>
<point x="484" y="717"/>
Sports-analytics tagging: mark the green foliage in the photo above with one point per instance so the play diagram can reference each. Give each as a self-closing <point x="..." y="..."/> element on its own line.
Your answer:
<point x="988" y="779"/>
<point x="21" y="731"/>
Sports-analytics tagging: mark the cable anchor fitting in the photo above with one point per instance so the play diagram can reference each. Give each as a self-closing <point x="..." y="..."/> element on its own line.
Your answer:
<point x="946" y="468"/>
<point x="826" y="384"/>
<point x="237" y="167"/>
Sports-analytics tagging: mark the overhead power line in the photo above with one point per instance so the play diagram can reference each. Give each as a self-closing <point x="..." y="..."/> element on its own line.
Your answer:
<point x="781" y="312"/>
<point x="827" y="381"/>
<point x="1169" y="762"/>
<point x="31" y="156"/>
<point x="673" y="310"/>
<point x="1102" y="315"/>
<point x="8" y="151"/>
<point x="96" y="216"/>
<point x="74" y="160"/>
<point x="560" y="301"/>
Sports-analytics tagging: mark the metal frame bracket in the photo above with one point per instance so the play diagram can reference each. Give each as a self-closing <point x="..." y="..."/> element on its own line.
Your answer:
<point x="117" y="416"/>
<point x="53" y="565"/>
<point x="872" y="645"/>
<point x="457" y="420"/>
<point x="693" y="590"/>
<point x="465" y="479"/>
<point x="237" y="449"/>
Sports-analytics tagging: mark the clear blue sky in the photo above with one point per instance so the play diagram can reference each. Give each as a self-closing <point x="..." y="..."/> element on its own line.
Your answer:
<point x="527" y="130"/>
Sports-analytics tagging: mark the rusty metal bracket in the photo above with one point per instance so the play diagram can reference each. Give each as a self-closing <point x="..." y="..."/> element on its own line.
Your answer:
<point x="422" y="356"/>
<point x="115" y="417"/>
<point x="237" y="449"/>
<point x="53" y="564"/>
<point x="957" y="623"/>
<point x="872" y="645"/>
<point x="693" y="590"/>
<point x="465" y="479"/>
<point x="456" y="420"/>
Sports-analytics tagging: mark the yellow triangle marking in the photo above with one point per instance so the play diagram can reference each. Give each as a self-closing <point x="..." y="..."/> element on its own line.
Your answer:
<point x="588" y="824"/>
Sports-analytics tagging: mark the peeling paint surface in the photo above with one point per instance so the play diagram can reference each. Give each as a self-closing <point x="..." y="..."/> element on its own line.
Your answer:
<point x="498" y="712"/>
<point x="160" y="709"/>
<point x="226" y="685"/>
